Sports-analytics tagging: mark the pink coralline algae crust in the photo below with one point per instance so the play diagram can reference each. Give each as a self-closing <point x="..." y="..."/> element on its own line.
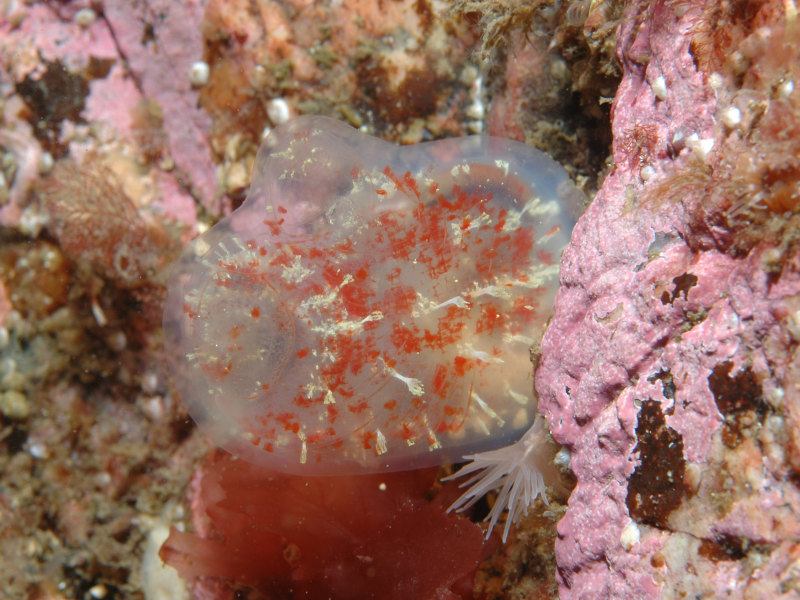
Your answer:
<point x="160" y="41"/>
<point x="41" y="34"/>
<point x="25" y="48"/>
<point x="669" y="369"/>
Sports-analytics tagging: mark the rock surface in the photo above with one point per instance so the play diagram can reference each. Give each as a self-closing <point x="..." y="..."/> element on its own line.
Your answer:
<point x="669" y="370"/>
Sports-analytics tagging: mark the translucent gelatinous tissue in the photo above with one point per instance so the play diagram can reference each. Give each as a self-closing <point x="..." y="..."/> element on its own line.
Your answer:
<point x="370" y="307"/>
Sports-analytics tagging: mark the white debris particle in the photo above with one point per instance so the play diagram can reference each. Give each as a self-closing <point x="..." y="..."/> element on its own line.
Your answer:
<point x="296" y="272"/>
<point x="38" y="450"/>
<point x="278" y="111"/>
<point x="380" y="444"/>
<point x="731" y="117"/>
<point x="414" y="385"/>
<point x="659" y="87"/>
<point x="701" y="147"/>
<point x="85" y="17"/>
<point x="45" y="163"/>
<point x="785" y="89"/>
<point x="159" y="580"/>
<point x="487" y="409"/>
<point x="629" y="536"/>
<point x="562" y="458"/>
<point x="458" y="301"/>
<point x="199" y="73"/>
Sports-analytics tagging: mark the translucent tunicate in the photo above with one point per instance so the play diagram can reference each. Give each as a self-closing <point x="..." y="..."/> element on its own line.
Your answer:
<point x="371" y="307"/>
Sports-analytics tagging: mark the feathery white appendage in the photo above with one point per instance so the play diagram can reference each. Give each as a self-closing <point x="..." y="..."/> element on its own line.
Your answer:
<point x="512" y="470"/>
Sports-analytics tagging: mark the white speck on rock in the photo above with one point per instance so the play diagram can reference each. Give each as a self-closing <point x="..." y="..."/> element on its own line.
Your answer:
<point x="198" y="74"/>
<point x="278" y="111"/>
<point x="630" y="535"/>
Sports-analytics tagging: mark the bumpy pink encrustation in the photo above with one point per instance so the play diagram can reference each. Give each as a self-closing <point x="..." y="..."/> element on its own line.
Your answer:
<point x="664" y="343"/>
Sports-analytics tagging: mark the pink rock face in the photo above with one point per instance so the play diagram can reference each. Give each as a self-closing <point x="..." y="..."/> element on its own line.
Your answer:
<point x="669" y="368"/>
<point x="370" y="307"/>
<point x="161" y="66"/>
<point x="34" y="38"/>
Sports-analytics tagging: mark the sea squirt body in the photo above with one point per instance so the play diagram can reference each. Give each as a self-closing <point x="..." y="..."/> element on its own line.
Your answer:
<point x="370" y="307"/>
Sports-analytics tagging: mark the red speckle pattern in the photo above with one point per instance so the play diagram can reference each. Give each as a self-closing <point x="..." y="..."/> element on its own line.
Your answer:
<point x="370" y="307"/>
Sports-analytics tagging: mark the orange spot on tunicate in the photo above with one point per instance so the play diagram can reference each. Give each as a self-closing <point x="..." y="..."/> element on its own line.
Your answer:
<point x="405" y="184"/>
<point x="356" y="298"/>
<point x="522" y="242"/>
<point x="302" y="401"/>
<point x="500" y="240"/>
<point x="490" y="318"/>
<point x="448" y="331"/>
<point x="381" y="192"/>
<point x="302" y="353"/>
<point x="394" y="274"/>
<point x="411" y="183"/>
<point x="523" y="312"/>
<point x="500" y="222"/>
<point x="368" y="437"/>
<point x="358" y="407"/>
<point x="345" y="247"/>
<point x="255" y="313"/>
<point x="289" y="422"/>
<point x="440" y="381"/>
<point x="441" y="427"/>
<point x="188" y="311"/>
<point x="274" y="226"/>
<point x="281" y="259"/>
<point x="406" y="432"/>
<point x="352" y="355"/>
<point x="315" y="437"/>
<point x="332" y="415"/>
<point x="400" y="299"/>
<point x="402" y="239"/>
<point x="390" y="405"/>
<point x="216" y="370"/>
<point x="462" y="365"/>
<point x="405" y="339"/>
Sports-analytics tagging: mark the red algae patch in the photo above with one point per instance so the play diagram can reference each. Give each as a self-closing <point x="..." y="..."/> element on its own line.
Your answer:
<point x="370" y="307"/>
<point x="273" y="535"/>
